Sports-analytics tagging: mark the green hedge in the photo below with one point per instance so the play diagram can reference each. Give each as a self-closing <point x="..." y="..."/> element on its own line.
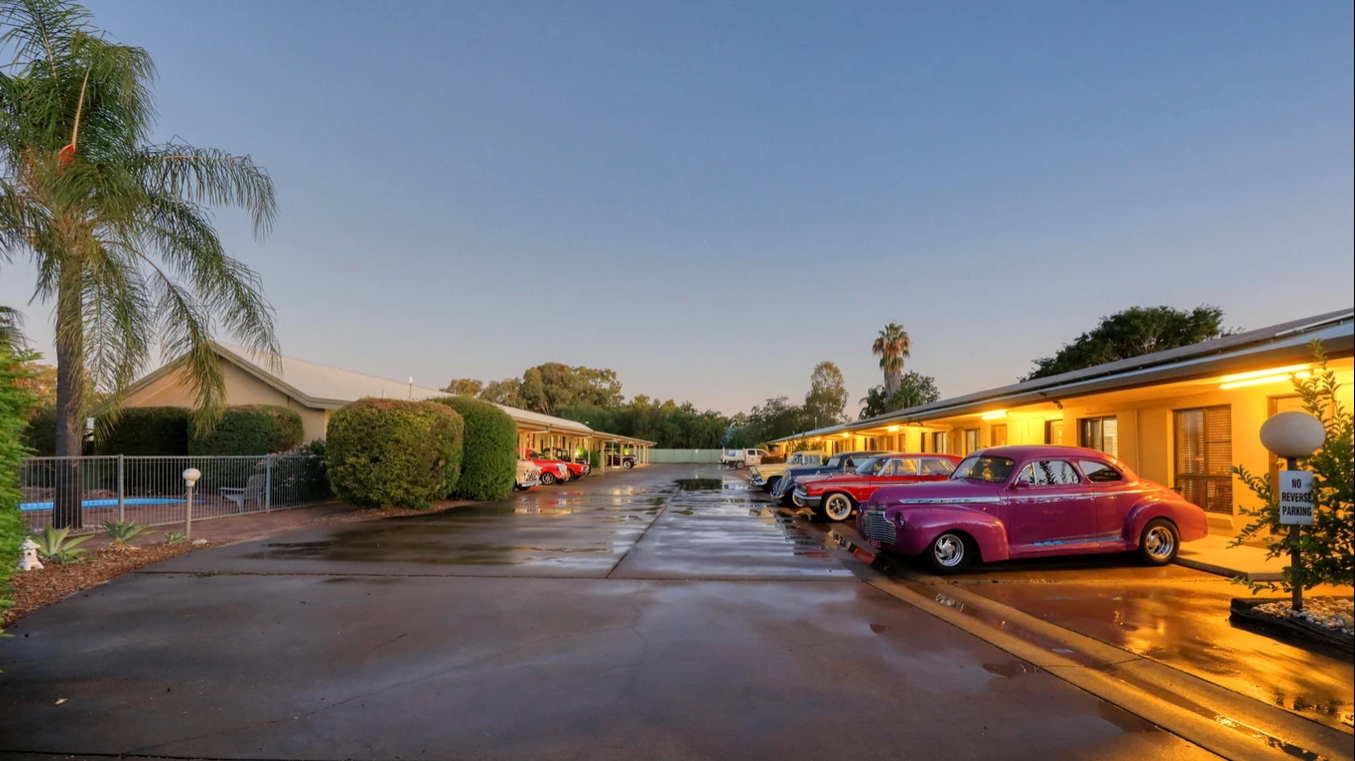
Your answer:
<point x="39" y="437"/>
<point x="489" y="467"/>
<point x="390" y="452"/>
<point x="146" y="431"/>
<point x="249" y="429"/>
<point x="14" y="402"/>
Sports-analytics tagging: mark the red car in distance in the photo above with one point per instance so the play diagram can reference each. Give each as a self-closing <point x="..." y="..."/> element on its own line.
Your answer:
<point x="557" y="468"/>
<point x="836" y="495"/>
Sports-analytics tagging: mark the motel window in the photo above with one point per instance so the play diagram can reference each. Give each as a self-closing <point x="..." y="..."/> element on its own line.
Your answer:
<point x="939" y="442"/>
<point x="1101" y="434"/>
<point x="1204" y="457"/>
<point x="971" y="441"/>
<point x="997" y="435"/>
<point x="1053" y="432"/>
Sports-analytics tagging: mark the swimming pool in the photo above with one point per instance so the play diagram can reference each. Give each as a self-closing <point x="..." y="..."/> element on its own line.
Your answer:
<point x="105" y="503"/>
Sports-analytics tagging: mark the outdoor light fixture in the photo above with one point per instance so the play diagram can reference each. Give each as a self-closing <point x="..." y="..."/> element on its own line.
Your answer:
<point x="995" y="415"/>
<point x="1293" y="435"/>
<point x="846" y="435"/>
<point x="190" y="478"/>
<point x="1259" y="377"/>
<point x="892" y="429"/>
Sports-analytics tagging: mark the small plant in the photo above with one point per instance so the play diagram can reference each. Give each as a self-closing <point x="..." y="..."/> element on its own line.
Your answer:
<point x="123" y="532"/>
<point x="174" y="537"/>
<point x="56" y="545"/>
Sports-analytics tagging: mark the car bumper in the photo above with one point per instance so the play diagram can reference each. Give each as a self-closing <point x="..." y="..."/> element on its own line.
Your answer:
<point x="757" y="480"/>
<point x="804" y="500"/>
<point x="529" y="483"/>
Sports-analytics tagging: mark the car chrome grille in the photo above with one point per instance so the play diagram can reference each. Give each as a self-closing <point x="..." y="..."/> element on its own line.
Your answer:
<point x="879" y="528"/>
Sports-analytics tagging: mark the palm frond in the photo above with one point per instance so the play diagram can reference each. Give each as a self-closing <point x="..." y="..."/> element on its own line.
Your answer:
<point x="212" y="177"/>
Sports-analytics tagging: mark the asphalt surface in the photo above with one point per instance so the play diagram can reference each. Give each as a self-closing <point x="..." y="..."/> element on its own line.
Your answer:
<point x="619" y="617"/>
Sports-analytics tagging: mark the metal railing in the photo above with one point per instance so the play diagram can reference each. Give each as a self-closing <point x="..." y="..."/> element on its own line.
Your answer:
<point x="84" y="493"/>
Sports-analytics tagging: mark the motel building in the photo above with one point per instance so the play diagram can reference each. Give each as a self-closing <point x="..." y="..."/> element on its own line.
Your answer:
<point x="1182" y="417"/>
<point x="315" y="391"/>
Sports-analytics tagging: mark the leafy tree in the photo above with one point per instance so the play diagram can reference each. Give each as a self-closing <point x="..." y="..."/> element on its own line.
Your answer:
<point x="118" y="229"/>
<point x="505" y="392"/>
<point x="914" y="389"/>
<point x="1327" y="548"/>
<point x="1132" y="333"/>
<point x="826" y="402"/>
<point x="775" y="418"/>
<point x="41" y="383"/>
<point x="464" y="387"/>
<point x="892" y="346"/>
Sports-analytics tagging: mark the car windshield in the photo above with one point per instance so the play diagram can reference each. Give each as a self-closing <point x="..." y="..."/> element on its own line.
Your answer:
<point x="872" y="466"/>
<point x="994" y="470"/>
<point x="835" y="462"/>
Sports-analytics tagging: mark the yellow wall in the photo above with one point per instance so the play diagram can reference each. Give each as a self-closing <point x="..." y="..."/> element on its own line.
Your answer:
<point x="1144" y="418"/>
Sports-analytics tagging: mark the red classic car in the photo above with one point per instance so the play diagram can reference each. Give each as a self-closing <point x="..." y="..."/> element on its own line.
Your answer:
<point x="552" y="470"/>
<point x="617" y="460"/>
<point x="836" y="495"/>
<point x="1031" y="501"/>
<point x="576" y="469"/>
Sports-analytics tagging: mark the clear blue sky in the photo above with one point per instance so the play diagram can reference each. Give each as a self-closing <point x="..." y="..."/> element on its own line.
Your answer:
<point x="711" y="197"/>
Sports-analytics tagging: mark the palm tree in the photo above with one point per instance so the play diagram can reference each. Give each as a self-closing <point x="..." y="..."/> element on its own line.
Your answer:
<point x="892" y="346"/>
<point x="118" y="228"/>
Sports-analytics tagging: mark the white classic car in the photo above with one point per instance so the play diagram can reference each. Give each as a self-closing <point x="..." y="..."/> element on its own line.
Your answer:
<point x="528" y="475"/>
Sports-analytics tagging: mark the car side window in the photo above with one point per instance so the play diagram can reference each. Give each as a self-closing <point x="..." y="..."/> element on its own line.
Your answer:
<point x="935" y="466"/>
<point x="1048" y="473"/>
<point x="1100" y="472"/>
<point x="905" y="467"/>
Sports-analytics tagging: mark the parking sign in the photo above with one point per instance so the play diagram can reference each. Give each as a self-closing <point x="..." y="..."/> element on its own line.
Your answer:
<point x="1296" y="497"/>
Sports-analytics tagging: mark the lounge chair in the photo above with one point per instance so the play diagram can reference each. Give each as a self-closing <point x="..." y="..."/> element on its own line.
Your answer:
<point x="253" y="491"/>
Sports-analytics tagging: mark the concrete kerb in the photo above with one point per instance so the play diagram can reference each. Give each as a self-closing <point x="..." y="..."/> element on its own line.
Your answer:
<point x="1213" y="717"/>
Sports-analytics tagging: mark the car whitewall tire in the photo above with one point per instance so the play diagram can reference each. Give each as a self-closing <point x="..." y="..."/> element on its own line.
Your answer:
<point x="837" y="507"/>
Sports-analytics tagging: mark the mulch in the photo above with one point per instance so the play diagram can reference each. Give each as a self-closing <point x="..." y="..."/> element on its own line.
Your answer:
<point x="101" y="564"/>
<point x="35" y="589"/>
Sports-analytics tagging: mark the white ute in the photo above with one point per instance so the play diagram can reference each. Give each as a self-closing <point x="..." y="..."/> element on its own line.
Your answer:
<point x="742" y="458"/>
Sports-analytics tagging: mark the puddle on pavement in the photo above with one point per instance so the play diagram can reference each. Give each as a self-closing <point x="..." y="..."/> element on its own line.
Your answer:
<point x="879" y="628"/>
<point x="1011" y="669"/>
<point x="700" y="484"/>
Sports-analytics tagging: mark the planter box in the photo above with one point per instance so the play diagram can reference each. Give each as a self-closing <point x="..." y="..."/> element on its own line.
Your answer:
<point x="1244" y="610"/>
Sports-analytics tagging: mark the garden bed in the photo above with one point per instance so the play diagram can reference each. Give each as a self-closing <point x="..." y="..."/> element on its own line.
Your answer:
<point x="1323" y="619"/>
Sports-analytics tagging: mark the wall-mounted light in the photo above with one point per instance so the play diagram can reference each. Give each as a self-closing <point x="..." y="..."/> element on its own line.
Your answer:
<point x="846" y="435"/>
<point x="1259" y="377"/>
<point x="893" y="429"/>
<point x="995" y="415"/>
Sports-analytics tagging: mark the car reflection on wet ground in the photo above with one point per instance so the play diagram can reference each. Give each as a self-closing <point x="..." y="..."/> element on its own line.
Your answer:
<point x="666" y="612"/>
<point x="1181" y="620"/>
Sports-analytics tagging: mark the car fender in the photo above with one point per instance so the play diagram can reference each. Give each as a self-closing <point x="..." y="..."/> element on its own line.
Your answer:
<point x="1190" y="520"/>
<point x="922" y="525"/>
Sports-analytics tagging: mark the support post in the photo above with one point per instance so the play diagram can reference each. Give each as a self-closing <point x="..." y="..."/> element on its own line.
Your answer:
<point x="188" y="515"/>
<point x="122" y="488"/>
<point x="1295" y="579"/>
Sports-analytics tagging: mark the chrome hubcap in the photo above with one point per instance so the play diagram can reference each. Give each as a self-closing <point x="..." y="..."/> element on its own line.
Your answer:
<point x="1159" y="542"/>
<point x="949" y="550"/>
<point x="838" y="508"/>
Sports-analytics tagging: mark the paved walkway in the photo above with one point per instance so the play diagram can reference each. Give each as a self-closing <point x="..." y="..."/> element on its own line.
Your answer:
<point x="636" y="616"/>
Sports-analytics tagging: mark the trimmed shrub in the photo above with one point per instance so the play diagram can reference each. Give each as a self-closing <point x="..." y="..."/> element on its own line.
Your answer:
<point x="489" y="465"/>
<point x="146" y="431"/>
<point x="249" y="429"/>
<point x="390" y="452"/>
<point x="39" y="437"/>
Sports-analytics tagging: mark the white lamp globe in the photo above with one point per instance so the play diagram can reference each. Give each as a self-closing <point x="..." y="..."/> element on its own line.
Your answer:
<point x="1293" y="434"/>
<point x="191" y="476"/>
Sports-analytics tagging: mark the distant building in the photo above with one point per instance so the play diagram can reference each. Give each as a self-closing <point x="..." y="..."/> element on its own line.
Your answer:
<point x="316" y="390"/>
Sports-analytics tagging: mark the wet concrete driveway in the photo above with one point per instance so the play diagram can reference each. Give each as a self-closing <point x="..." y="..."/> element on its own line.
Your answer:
<point x="619" y="617"/>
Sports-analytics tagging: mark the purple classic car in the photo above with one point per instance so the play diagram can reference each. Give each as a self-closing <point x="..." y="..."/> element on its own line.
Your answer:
<point x="1031" y="501"/>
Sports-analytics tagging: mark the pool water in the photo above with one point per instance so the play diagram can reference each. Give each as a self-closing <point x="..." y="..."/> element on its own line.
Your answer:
<point x="105" y="503"/>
